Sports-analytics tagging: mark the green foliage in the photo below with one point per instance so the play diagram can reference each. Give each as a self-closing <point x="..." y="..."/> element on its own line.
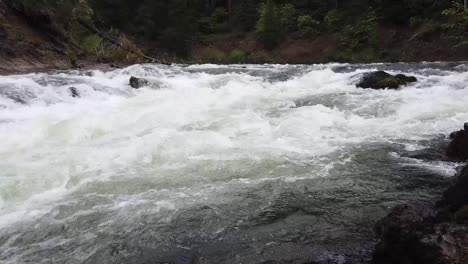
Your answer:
<point x="219" y="20"/>
<point x="458" y="16"/>
<point x="247" y="15"/>
<point x="215" y="55"/>
<point x="308" y="26"/>
<point x="398" y="12"/>
<point x="219" y="16"/>
<point x="416" y="21"/>
<point x="237" y="56"/>
<point x="288" y="18"/>
<point x="269" y="25"/>
<point x="428" y="31"/>
<point x="362" y="34"/>
<point x="259" y="57"/>
<point x="333" y="20"/>
<point x="91" y="44"/>
<point x="175" y="25"/>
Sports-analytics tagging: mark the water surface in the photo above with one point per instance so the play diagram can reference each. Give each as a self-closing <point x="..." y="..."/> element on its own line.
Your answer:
<point x="217" y="164"/>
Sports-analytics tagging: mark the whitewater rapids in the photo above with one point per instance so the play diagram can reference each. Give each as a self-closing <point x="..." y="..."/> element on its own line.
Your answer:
<point x="217" y="164"/>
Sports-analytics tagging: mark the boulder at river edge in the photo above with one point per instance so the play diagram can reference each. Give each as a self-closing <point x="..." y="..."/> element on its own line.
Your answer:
<point x="138" y="82"/>
<point x="421" y="234"/>
<point x="458" y="148"/>
<point x="383" y="80"/>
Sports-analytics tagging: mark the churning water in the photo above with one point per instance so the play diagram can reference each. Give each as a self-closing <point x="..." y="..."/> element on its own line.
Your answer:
<point x="217" y="164"/>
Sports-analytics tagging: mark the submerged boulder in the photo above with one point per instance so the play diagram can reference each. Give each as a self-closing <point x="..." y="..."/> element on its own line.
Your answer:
<point x="458" y="148"/>
<point x="74" y="92"/>
<point x="384" y="80"/>
<point x="137" y="83"/>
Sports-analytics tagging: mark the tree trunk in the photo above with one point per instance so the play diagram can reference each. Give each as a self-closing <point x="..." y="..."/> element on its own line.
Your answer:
<point x="466" y="4"/>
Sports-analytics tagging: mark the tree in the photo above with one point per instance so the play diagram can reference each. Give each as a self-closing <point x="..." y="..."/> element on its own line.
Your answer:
<point x="246" y="15"/>
<point x="268" y="26"/>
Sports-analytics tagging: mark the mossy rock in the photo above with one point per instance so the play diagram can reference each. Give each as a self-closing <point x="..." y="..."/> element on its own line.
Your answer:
<point x="383" y="80"/>
<point x="389" y="82"/>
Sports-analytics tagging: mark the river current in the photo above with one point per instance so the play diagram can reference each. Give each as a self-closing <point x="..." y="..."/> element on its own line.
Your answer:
<point x="217" y="164"/>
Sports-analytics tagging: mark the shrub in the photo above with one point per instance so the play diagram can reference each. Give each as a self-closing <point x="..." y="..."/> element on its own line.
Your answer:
<point x="237" y="56"/>
<point x="362" y="34"/>
<point x="247" y="15"/>
<point x="429" y="30"/>
<point x="268" y="26"/>
<point x="457" y="15"/>
<point x="219" y="16"/>
<point x="214" y="55"/>
<point x="288" y="19"/>
<point x="308" y="26"/>
<point x="91" y="44"/>
<point x="416" y="21"/>
<point x="219" y="20"/>
<point x="259" y="57"/>
<point x="333" y="20"/>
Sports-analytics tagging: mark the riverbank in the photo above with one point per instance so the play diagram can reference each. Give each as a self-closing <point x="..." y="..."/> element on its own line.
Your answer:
<point x="35" y="40"/>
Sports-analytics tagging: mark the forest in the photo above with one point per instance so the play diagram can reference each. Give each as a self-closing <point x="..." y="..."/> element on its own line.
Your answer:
<point x="223" y="31"/>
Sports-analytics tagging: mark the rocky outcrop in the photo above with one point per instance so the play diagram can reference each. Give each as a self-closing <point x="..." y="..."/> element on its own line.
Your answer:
<point x="456" y="197"/>
<point x="384" y="80"/>
<point x="413" y="234"/>
<point x="409" y="235"/>
<point x="458" y="148"/>
<point x="137" y="83"/>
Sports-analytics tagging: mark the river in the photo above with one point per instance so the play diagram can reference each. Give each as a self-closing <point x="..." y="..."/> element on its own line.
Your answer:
<point x="217" y="163"/>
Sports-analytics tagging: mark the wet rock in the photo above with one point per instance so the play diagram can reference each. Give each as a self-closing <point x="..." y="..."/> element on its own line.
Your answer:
<point x="410" y="234"/>
<point x="138" y="82"/>
<point x="429" y="234"/>
<point x="458" y="148"/>
<point x="384" y="80"/>
<point x="461" y="216"/>
<point x="456" y="196"/>
<point x="3" y="33"/>
<point x="74" y="92"/>
<point x="401" y="221"/>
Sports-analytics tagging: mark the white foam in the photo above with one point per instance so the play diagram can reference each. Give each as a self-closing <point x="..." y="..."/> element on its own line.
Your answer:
<point x="56" y="143"/>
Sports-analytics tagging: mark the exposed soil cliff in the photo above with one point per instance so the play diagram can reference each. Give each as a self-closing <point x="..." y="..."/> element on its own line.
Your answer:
<point x="25" y="44"/>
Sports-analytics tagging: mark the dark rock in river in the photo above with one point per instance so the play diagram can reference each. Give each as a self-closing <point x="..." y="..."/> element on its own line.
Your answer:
<point x="383" y="80"/>
<point x="418" y="234"/>
<point x="403" y="237"/>
<point x="429" y="234"/>
<point x="74" y="92"/>
<point x="456" y="196"/>
<point x="458" y="148"/>
<point x="138" y="82"/>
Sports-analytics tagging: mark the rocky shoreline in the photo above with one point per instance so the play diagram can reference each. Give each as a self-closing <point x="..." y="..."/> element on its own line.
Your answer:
<point x="437" y="234"/>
